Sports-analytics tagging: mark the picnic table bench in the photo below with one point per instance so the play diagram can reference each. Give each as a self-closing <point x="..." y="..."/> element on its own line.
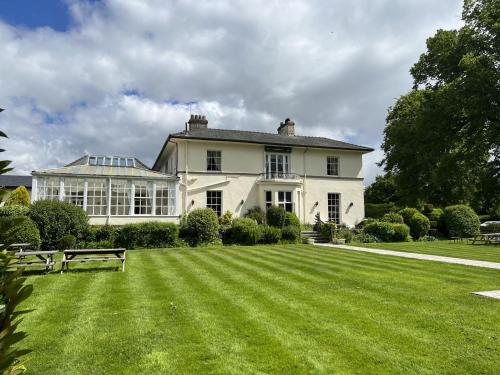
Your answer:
<point x="92" y="255"/>
<point x="18" y="246"/>
<point x="487" y="238"/>
<point x="36" y="258"/>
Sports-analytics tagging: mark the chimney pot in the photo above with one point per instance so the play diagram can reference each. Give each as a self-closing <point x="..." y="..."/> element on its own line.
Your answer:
<point x="287" y="128"/>
<point x="197" y="122"/>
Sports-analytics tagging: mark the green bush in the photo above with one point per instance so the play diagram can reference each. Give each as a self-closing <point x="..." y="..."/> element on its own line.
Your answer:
<point x="20" y="196"/>
<point x="419" y="225"/>
<point x="291" y="219"/>
<point x="435" y="215"/>
<point x="407" y="214"/>
<point x="328" y="230"/>
<point x="99" y="245"/>
<point x="151" y="234"/>
<point x="56" y="219"/>
<point x="461" y="221"/>
<point x="365" y="238"/>
<point x="66" y="242"/>
<point x="346" y="234"/>
<point x="98" y="233"/>
<point x="14" y="210"/>
<point x="377" y="210"/>
<point x="290" y="234"/>
<point x="275" y="216"/>
<point x="202" y="227"/>
<point x="245" y="231"/>
<point x="365" y="222"/>
<point x="25" y="232"/>
<point x="393" y="217"/>
<point x="225" y="222"/>
<point x="269" y="235"/>
<point x="256" y="214"/>
<point x="387" y="232"/>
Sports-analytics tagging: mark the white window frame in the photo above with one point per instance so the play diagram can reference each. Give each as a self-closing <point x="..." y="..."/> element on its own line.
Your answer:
<point x="285" y="201"/>
<point x="285" y="164"/>
<point x="339" y="208"/>
<point x="215" y="159"/>
<point x="334" y="163"/>
<point x="121" y="192"/>
<point x="97" y="201"/>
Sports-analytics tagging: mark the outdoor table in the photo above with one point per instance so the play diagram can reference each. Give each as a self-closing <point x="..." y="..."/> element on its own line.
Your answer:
<point x="487" y="238"/>
<point x="92" y="255"/>
<point x="43" y="259"/>
<point x="17" y="246"/>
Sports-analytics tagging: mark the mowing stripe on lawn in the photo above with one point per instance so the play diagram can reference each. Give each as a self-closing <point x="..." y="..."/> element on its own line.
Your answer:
<point x="226" y="324"/>
<point x="323" y="310"/>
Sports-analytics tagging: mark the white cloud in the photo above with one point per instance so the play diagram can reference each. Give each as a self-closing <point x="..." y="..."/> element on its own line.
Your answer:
<point x="334" y="67"/>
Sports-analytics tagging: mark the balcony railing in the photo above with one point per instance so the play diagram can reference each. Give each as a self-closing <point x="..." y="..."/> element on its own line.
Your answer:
<point x="280" y="176"/>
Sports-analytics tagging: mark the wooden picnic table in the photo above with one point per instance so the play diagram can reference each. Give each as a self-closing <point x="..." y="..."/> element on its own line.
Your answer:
<point x="92" y="255"/>
<point x="18" y="246"/>
<point x="44" y="258"/>
<point x="487" y="238"/>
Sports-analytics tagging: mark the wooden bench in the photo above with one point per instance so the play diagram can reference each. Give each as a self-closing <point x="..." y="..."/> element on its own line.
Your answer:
<point x="487" y="238"/>
<point x="92" y="255"/>
<point x="42" y="259"/>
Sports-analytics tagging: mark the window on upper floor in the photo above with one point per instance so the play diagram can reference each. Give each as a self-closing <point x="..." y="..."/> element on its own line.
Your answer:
<point x="214" y="160"/>
<point x="277" y="165"/>
<point x="332" y="166"/>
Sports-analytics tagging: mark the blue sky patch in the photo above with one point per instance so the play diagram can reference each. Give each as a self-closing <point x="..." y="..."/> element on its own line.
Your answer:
<point x="36" y="13"/>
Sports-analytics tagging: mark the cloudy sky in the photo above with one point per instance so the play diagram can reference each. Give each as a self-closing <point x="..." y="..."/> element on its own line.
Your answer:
<point x="116" y="76"/>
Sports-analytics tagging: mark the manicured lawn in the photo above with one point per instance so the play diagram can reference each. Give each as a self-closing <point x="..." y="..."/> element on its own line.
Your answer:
<point x="458" y="250"/>
<point x="265" y="310"/>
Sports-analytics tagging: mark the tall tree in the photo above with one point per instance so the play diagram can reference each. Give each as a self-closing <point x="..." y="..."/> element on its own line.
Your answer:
<point x="441" y="140"/>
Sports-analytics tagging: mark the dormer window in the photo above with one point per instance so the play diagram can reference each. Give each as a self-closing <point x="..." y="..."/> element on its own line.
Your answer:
<point x="114" y="161"/>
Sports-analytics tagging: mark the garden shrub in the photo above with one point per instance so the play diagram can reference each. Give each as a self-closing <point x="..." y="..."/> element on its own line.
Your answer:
<point x="99" y="245"/>
<point x="202" y="227"/>
<point x="256" y="214"/>
<point x="329" y="230"/>
<point x="14" y="210"/>
<point x="427" y="238"/>
<point x="245" y="231"/>
<point x="290" y="234"/>
<point x="20" y="196"/>
<point x="364" y="222"/>
<point x="387" y="232"/>
<point x="66" y="242"/>
<point x="377" y="210"/>
<point x="98" y="233"/>
<point x="56" y="219"/>
<point x="291" y="219"/>
<point x="461" y="221"/>
<point x="275" y="216"/>
<point x="151" y="234"/>
<point x="365" y="238"/>
<point x="407" y="214"/>
<point x="419" y="225"/>
<point x="435" y="214"/>
<point x="346" y="234"/>
<point x="25" y="232"/>
<point x="269" y="235"/>
<point x="393" y="217"/>
<point x="225" y="222"/>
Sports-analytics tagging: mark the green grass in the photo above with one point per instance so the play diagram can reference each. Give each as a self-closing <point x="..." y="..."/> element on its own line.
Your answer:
<point x="264" y="310"/>
<point x="489" y="253"/>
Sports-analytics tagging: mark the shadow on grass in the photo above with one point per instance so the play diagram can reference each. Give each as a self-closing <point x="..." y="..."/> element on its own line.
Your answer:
<point x="57" y="271"/>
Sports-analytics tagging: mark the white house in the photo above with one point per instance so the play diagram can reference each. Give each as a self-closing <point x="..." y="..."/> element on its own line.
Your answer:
<point x="226" y="170"/>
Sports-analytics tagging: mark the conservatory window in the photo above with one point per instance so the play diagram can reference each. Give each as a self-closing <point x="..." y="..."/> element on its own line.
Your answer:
<point x="143" y="202"/>
<point x="73" y="191"/>
<point x="97" y="197"/>
<point x="120" y="197"/>
<point x="48" y="188"/>
<point x="165" y="199"/>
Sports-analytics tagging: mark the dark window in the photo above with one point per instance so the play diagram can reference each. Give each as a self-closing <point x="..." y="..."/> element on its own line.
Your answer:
<point x="334" y="207"/>
<point x="214" y="160"/>
<point x="285" y="200"/>
<point x="269" y="198"/>
<point x="332" y="166"/>
<point x="214" y="201"/>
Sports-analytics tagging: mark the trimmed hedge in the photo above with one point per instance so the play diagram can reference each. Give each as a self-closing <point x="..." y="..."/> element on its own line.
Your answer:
<point x="20" y="196"/>
<point x="290" y="234"/>
<point x="407" y="214"/>
<point x="256" y="214"/>
<point x="202" y="227"/>
<point x="419" y="225"/>
<point x="245" y="231"/>
<point x="387" y="232"/>
<point x="151" y="234"/>
<point x="291" y="219"/>
<point x="14" y="210"/>
<point x="275" y="216"/>
<point x="269" y="235"/>
<point x="377" y="210"/>
<point x="393" y="217"/>
<point x="56" y="219"/>
<point x="461" y="221"/>
<point x="25" y="232"/>
<point x="435" y="215"/>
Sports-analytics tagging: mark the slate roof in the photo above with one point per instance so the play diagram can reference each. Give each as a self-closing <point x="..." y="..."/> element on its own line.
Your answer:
<point x="268" y="139"/>
<point x="7" y="180"/>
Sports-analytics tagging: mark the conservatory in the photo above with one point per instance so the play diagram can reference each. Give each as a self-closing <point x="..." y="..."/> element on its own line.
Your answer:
<point x="112" y="190"/>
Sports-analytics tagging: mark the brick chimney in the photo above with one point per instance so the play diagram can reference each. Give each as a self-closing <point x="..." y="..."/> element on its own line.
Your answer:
<point x="197" y="122"/>
<point x="287" y="128"/>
